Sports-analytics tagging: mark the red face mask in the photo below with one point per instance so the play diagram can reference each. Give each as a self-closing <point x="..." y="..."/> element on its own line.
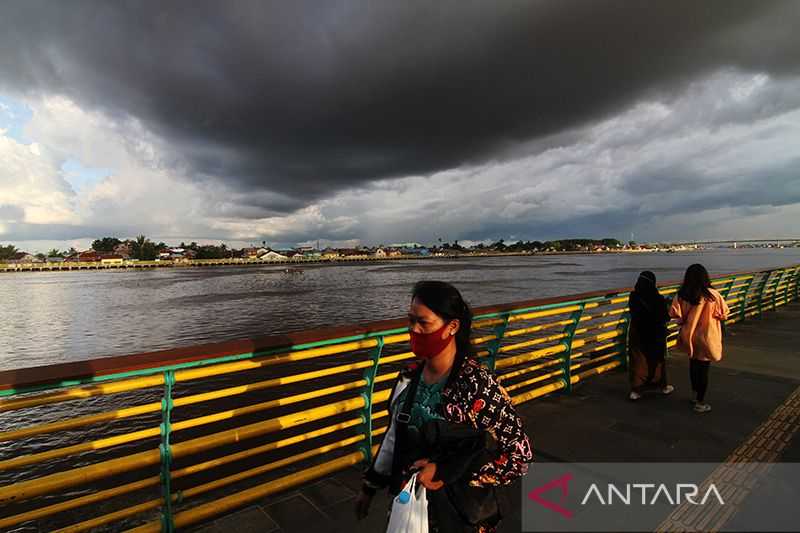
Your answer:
<point x="429" y="345"/>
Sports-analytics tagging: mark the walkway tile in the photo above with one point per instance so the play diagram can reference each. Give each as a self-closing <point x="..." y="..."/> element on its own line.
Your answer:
<point x="249" y="520"/>
<point x="329" y="491"/>
<point x="297" y="514"/>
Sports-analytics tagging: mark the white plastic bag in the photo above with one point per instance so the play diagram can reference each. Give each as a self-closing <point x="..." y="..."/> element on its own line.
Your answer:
<point x="411" y="516"/>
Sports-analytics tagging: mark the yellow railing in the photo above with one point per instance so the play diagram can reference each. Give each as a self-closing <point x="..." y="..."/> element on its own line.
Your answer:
<point x="164" y="445"/>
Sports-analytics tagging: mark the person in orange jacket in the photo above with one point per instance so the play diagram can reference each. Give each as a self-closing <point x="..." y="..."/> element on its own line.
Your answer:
<point x="700" y="311"/>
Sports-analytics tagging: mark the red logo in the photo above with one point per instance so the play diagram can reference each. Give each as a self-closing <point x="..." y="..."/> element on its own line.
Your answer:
<point x="563" y="483"/>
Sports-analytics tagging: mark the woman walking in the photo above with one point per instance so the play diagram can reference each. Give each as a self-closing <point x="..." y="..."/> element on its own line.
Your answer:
<point x="647" y="338"/>
<point x="450" y="421"/>
<point x="700" y="311"/>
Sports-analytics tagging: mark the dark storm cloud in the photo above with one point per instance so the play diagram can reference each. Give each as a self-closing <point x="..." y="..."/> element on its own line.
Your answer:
<point x="301" y="99"/>
<point x="759" y="194"/>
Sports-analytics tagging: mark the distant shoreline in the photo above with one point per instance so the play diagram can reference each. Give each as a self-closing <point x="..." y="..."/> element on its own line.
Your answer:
<point x="288" y="263"/>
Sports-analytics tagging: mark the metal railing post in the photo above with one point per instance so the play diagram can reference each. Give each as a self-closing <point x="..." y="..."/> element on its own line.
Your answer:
<point x="165" y="451"/>
<point x="366" y="412"/>
<point x="785" y="278"/>
<point x="797" y="283"/>
<point x="788" y="276"/>
<point x="566" y="365"/>
<point x="727" y="290"/>
<point x="623" y="346"/>
<point x="775" y="292"/>
<point x="494" y="346"/>
<point x="743" y="311"/>
<point x="761" y="289"/>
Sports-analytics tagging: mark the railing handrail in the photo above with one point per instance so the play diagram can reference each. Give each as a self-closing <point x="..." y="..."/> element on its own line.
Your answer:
<point x="159" y="360"/>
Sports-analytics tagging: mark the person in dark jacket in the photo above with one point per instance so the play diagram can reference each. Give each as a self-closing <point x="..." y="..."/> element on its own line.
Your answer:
<point x="450" y="421"/>
<point x="647" y="337"/>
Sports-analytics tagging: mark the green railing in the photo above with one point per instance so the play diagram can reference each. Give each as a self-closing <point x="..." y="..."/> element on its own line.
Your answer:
<point x="164" y="440"/>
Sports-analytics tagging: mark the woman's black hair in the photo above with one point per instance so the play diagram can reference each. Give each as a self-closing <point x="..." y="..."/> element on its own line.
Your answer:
<point x="696" y="285"/>
<point x="648" y="292"/>
<point x="445" y="300"/>
<point x="646" y="283"/>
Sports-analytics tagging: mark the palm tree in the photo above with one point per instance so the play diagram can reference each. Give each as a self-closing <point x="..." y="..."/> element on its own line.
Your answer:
<point x="138" y="246"/>
<point x="8" y="252"/>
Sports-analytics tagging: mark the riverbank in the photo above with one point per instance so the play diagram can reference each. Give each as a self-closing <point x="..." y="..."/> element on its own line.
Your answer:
<point x="206" y="263"/>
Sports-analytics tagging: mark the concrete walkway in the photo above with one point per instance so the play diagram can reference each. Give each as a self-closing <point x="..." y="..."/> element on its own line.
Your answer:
<point x="597" y="423"/>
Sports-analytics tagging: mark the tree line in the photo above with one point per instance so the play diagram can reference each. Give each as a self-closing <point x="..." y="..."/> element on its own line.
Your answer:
<point x="9" y="251"/>
<point x="563" y="245"/>
<point x="140" y="248"/>
<point x="144" y="249"/>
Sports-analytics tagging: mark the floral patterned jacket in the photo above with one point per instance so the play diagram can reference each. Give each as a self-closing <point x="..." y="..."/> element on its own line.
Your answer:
<point x="472" y="396"/>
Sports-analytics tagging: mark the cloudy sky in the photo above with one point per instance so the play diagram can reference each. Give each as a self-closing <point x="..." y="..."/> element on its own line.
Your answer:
<point x="378" y="122"/>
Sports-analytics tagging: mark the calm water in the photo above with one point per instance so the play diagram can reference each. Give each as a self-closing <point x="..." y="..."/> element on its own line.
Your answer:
<point x="51" y="317"/>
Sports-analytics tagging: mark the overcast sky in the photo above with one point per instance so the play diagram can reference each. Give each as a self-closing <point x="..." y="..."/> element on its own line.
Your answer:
<point x="378" y="122"/>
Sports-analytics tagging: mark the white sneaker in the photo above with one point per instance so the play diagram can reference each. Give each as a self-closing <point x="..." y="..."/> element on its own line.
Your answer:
<point x="634" y="396"/>
<point x="668" y="389"/>
<point x="702" y="407"/>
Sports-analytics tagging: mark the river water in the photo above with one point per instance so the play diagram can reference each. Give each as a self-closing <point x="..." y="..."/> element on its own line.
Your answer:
<point x="51" y="317"/>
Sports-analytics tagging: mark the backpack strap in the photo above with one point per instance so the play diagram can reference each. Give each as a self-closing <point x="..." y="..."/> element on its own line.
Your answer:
<point x="403" y="415"/>
<point x="401" y="420"/>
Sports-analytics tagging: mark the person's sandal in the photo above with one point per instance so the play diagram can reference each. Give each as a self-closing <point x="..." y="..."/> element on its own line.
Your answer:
<point x="701" y="407"/>
<point x="633" y="396"/>
<point x="668" y="389"/>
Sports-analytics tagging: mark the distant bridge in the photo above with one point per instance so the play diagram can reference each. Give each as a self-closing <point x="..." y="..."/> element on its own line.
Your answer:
<point x="736" y="241"/>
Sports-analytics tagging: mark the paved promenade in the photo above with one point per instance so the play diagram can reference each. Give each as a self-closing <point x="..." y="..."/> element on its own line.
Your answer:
<point x="756" y="414"/>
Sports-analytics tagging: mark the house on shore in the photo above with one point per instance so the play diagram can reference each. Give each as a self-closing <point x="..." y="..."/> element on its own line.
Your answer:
<point x="124" y="249"/>
<point x="411" y="248"/>
<point x="354" y="253"/>
<point x="272" y="255"/>
<point x="421" y="251"/>
<point x="112" y="259"/>
<point x="254" y="253"/>
<point x="21" y="257"/>
<point x="88" y="256"/>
